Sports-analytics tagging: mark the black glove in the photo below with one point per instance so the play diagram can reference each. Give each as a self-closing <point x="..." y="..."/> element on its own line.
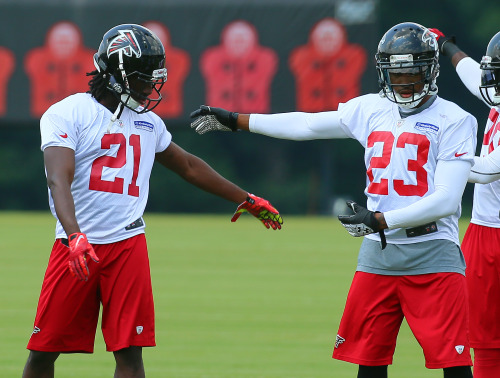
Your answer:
<point x="362" y="222"/>
<point x="442" y="40"/>
<point x="210" y="119"/>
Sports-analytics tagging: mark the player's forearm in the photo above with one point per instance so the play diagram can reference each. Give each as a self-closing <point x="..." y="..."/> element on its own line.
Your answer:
<point x="449" y="182"/>
<point x="469" y="72"/>
<point x="64" y="206"/>
<point x="298" y="125"/>
<point x="486" y="169"/>
<point x="206" y="178"/>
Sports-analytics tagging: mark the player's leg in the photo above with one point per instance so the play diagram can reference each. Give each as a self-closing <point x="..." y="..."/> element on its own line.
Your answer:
<point x="371" y="321"/>
<point x="486" y="363"/>
<point x="66" y="317"/>
<point x="458" y="372"/>
<point x="372" y="371"/>
<point x="481" y="248"/>
<point x="40" y="364"/>
<point x="436" y="309"/>
<point x="127" y="295"/>
<point x="129" y="363"/>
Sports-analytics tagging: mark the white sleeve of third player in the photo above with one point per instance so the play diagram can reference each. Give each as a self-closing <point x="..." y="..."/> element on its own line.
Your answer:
<point x="469" y="72"/>
<point x="298" y="125"/>
<point x="486" y="169"/>
<point x="449" y="180"/>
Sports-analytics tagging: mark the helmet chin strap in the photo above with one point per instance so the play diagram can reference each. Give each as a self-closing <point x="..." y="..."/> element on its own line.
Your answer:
<point x="114" y="117"/>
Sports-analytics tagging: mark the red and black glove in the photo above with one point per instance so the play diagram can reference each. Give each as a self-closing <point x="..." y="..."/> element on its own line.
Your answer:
<point x="442" y="41"/>
<point x="262" y="210"/>
<point x="79" y="246"/>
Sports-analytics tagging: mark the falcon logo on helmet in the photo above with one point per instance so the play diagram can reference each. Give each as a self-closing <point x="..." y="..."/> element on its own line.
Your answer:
<point x="126" y="43"/>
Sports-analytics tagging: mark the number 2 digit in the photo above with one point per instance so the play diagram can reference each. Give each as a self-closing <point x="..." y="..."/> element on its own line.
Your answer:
<point x="118" y="161"/>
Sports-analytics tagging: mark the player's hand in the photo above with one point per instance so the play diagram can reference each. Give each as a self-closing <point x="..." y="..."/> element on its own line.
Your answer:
<point x="213" y="119"/>
<point x="442" y="39"/>
<point x="79" y="247"/>
<point x="262" y="210"/>
<point x="362" y="222"/>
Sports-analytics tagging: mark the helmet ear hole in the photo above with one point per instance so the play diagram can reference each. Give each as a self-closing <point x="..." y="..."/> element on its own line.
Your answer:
<point x="115" y="86"/>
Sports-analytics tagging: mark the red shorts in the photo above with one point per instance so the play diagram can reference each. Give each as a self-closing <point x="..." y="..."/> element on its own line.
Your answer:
<point x="68" y="309"/>
<point x="481" y="248"/>
<point x="434" y="305"/>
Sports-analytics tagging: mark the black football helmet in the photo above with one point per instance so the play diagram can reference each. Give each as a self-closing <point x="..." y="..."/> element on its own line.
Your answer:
<point x="127" y="51"/>
<point x="408" y="48"/>
<point x="490" y="74"/>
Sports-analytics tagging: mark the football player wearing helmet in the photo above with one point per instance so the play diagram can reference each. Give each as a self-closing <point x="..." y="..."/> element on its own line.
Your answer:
<point x="419" y="149"/>
<point x="99" y="148"/>
<point x="481" y="243"/>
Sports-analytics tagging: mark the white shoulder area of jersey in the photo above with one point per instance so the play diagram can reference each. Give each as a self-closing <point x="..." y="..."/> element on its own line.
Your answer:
<point x="83" y="102"/>
<point x="450" y="110"/>
<point x="369" y="102"/>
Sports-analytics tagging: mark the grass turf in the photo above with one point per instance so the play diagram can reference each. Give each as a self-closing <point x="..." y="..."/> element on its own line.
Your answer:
<point x="232" y="300"/>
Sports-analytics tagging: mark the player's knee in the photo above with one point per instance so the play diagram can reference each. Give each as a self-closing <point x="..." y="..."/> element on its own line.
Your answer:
<point x="458" y="372"/>
<point x="130" y="360"/>
<point x="42" y="360"/>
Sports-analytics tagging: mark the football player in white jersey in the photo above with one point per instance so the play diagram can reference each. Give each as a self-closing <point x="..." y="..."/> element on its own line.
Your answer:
<point x="419" y="149"/>
<point x="481" y="243"/>
<point x="99" y="148"/>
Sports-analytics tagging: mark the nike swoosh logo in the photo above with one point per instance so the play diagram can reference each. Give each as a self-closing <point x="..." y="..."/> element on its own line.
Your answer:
<point x="65" y="135"/>
<point x="78" y="240"/>
<point x="458" y="155"/>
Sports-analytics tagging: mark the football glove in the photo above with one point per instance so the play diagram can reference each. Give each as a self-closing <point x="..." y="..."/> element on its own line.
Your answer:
<point x="262" y="210"/>
<point x="442" y="39"/>
<point x="213" y="119"/>
<point x="79" y="246"/>
<point x="362" y="222"/>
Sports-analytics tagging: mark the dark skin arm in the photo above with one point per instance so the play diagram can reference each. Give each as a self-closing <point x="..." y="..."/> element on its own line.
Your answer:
<point x="60" y="166"/>
<point x="195" y="171"/>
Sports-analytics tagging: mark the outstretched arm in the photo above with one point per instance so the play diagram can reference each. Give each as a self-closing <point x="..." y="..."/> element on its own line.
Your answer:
<point x="197" y="172"/>
<point x="294" y="126"/>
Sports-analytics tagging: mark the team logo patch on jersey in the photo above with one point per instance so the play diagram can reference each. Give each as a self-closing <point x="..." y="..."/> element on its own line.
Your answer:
<point x="139" y="329"/>
<point x="144" y="125"/>
<point x="35" y="330"/>
<point x="427" y="127"/>
<point x="339" y="340"/>
<point x="459" y="349"/>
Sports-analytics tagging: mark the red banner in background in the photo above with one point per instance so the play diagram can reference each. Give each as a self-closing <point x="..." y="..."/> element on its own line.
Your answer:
<point x="58" y="68"/>
<point x="238" y="72"/>
<point x="7" y="61"/>
<point x="328" y="68"/>
<point x="178" y="64"/>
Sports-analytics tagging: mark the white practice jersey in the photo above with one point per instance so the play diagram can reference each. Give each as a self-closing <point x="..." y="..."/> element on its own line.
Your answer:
<point x="401" y="154"/>
<point x="112" y="167"/>
<point x="486" y="205"/>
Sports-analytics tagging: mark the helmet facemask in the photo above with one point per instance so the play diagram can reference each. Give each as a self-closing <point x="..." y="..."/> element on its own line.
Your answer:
<point x="424" y="73"/>
<point x="490" y="82"/>
<point x="131" y="98"/>
<point x="407" y="49"/>
<point x="132" y="58"/>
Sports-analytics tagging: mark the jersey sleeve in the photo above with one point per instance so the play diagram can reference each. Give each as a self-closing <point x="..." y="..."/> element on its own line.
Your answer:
<point x="164" y="138"/>
<point x="56" y="131"/>
<point x="469" y="72"/>
<point x="458" y="141"/>
<point x="354" y="115"/>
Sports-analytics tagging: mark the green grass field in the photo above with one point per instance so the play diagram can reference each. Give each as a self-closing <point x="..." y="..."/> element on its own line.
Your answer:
<point x="232" y="300"/>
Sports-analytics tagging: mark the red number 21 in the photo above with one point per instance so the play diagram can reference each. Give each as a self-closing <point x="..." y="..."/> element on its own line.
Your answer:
<point x="417" y="166"/>
<point x="118" y="161"/>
